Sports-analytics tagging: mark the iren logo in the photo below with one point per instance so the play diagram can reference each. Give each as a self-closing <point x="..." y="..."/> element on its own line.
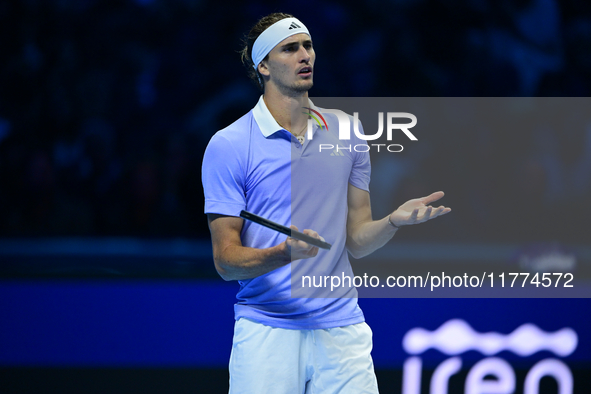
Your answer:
<point x="456" y="336"/>
<point x="345" y="129"/>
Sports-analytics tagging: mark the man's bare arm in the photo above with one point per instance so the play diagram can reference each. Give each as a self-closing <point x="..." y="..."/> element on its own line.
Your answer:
<point x="365" y="235"/>
<point x="236" y="262"/>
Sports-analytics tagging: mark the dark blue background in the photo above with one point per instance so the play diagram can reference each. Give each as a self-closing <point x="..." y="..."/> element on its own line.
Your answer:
<point x="155" y="323"/>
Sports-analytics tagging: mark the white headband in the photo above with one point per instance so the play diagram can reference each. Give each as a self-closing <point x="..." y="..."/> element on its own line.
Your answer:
<point x="274" y="34"/>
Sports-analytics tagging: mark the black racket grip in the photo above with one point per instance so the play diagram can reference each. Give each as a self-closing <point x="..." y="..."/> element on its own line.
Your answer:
<point x="284" y="230"/>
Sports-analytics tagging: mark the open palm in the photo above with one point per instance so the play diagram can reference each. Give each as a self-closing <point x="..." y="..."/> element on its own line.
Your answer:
<point x="418" y="210"/>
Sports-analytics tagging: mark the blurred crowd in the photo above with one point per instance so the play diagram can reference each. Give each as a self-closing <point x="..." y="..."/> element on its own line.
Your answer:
<point x="106" y="106"/>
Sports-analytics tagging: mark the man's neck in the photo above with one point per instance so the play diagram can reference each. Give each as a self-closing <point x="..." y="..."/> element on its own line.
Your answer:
<point x="287" y="110"/>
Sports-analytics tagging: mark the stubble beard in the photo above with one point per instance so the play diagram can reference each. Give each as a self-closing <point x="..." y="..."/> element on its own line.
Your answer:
<point x="298" y="88"/>
<point x="304" y="87"/>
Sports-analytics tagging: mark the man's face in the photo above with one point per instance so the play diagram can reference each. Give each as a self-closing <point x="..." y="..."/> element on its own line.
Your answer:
<point x="290" y="64"/>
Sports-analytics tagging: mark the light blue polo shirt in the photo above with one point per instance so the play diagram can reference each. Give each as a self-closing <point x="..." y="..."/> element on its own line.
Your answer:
<point x="256" y="165"/>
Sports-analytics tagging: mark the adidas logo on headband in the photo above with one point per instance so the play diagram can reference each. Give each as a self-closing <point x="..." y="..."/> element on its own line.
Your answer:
<point x="294" y="26"/>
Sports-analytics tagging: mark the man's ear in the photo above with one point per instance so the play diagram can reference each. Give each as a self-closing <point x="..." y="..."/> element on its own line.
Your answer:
<point x="262" y="69"/>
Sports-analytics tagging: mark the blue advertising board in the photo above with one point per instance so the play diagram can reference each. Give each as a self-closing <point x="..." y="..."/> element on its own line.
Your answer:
<point x="175" y="323"/>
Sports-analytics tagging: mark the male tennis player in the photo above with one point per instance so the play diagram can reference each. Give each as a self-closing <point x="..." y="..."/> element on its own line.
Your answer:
<point x="266" y="164"/>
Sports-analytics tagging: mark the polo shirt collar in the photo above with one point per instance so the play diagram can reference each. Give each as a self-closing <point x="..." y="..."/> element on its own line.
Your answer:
<point x="266" y="121"/>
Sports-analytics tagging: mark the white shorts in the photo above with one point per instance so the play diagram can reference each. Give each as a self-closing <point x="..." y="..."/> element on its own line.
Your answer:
<point x="280" y="361"/>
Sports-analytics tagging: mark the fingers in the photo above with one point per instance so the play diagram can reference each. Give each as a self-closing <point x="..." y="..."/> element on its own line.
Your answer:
<point x="438" y="211"/>
<point x="432" y="197"/>
<point x="300" y="249"/>
<point x="313" y="252"/>
<point x="431" y="213"/>
<point x="427" y="215"/>
<point x="442" y="210"/>
<point x="311" y="233"/>
<point x="313" y="249"/>
<point x="418" y="215"/>
<point x="290" y="241"/>
<point x="414" y="215"/>
<point x="301" y="244"/>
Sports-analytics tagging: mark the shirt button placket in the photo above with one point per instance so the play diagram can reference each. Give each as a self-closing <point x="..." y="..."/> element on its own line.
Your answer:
<point x="297" y="145"/>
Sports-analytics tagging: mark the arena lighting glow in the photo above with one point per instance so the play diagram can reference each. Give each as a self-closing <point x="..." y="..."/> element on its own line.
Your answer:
<point x="456" y="336"/>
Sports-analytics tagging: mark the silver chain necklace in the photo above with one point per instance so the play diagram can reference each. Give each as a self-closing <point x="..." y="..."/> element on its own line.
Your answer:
<point x="302" y="138"/>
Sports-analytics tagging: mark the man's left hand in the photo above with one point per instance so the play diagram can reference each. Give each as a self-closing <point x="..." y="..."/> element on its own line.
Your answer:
<point x="418" y="210"/>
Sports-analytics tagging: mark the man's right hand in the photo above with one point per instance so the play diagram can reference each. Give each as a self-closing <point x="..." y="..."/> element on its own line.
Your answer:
<point x="236" y="262"/>
<point x="299" y="249"/>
